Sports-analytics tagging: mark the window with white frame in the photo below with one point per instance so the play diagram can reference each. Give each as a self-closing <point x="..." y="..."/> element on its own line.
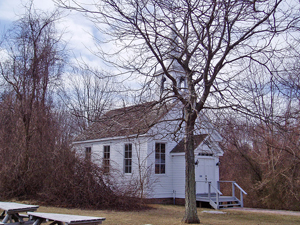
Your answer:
<point x="106" y="158"/>
<point x="88" y="153"/>
<point x="128" y="158"/>
<point x="160" y="158"/>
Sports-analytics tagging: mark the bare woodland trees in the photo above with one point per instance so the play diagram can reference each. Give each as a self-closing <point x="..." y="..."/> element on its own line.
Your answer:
<point x="87" y="95"/>
<point x="36" y="131"/>
<point x="265" y="161"/>
<point x="32" y="61"/>
<point x="262" y="152"/>
<point x="206" y="43"/>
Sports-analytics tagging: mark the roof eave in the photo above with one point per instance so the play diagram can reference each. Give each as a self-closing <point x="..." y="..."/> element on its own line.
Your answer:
<point x="109" y="139"/>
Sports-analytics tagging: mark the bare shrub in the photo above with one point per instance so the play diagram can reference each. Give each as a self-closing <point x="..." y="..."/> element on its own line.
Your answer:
<point x="264" y="161"/>
<point x="80" y="183"/>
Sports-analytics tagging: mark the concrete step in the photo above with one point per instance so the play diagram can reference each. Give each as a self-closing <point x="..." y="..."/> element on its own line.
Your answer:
<point x="229" y="205"/>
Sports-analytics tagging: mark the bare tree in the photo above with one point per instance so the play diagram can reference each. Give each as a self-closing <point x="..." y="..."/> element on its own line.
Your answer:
<point x="142" y="179"/>
<point x="260" y="151"/>
<point x="199" y="47"/>
<point x="265" y="160"/>
<point x="31" y="64"/>
<point x="87" y="94"/>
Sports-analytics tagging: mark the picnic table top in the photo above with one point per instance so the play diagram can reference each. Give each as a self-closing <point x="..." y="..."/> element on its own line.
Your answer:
<point x="67" y="218"/>
<point x="12" y="207"/>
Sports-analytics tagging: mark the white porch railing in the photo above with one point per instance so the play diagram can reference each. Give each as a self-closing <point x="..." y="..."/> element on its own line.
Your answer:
<point x="214" y="194"/>
<point x="234" y="184"/>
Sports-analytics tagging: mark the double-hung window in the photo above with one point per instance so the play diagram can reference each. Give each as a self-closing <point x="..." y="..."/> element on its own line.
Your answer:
<point x="88" y="153"/>
<point x="128" y="158"/>
<point x="160" y="158"/>
<point x="106" y="158"/>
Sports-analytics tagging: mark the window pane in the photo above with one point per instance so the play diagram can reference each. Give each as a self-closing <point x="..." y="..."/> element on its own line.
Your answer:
<point x="127" y="169"/>
<point x="162" y="169"/>
<point x="157" y="169"/>
<point x="106" y="151"/>
<point x="127" y="158"/>
<point x="157" y="156"/>
<point x="160" y="149"/>
<point x="106" y="157"/>
<point x="88" y="152"/>
<point x="157" y="147"/>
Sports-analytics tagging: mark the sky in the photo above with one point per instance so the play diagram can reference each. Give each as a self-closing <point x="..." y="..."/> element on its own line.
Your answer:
<point x="78" y="32"/>
<point x="77" y="29"/>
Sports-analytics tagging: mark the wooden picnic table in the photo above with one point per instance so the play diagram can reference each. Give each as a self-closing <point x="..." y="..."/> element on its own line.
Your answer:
<point x="11" y="212"/>
<point x="67" y="219"/>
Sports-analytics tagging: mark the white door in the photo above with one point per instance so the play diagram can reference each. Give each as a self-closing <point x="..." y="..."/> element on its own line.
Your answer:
<point x="205" y="172"/>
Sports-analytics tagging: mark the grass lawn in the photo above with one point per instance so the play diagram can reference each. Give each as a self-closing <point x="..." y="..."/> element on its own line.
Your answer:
<point x="169" y="214"/>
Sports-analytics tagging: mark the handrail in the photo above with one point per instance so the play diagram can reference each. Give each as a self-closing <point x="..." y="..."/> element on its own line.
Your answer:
<point x="234" y="184"/>
<point x="226" y="181"/>
<point x="218" y="193"/>
<point x="214" y="200"/>
<point x="211" y="185"/>
<point x="216" y="189"/>
<point x="241" y="189"/>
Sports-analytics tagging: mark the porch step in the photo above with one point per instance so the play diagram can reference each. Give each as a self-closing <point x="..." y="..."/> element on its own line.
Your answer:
<point x="223" y="205"/>
<point x="215" y="198"/>
<point x="224" y="201"/>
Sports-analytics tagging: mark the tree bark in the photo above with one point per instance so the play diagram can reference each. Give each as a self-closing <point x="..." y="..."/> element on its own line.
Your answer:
<point x="190" y="184"/>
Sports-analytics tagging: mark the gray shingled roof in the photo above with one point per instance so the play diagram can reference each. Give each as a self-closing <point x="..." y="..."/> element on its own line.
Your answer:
<point x="197" y="141"/>
<point x="132" y="120"/>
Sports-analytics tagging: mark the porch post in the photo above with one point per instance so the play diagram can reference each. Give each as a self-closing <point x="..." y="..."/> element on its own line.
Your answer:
<point x="209" y="188"/>
<point x="242" y="200"/>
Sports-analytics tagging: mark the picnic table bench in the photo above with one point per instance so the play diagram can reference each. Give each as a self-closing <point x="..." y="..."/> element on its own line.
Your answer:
<point x="11" y="213"/>
<point x="11" y="216"/>
<point x="61" y="219"/>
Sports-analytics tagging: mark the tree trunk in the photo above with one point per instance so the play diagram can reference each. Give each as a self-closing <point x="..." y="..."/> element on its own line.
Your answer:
<point x="190" y="187"/>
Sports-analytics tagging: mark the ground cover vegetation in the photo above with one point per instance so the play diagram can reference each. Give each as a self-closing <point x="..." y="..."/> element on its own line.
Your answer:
<point x="170" y="214"/>
<point x="261" y="141"/>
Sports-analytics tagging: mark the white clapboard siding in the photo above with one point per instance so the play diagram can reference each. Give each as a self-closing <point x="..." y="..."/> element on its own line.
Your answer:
<point x="162" y="183"/>
<point x="178" y="167"/>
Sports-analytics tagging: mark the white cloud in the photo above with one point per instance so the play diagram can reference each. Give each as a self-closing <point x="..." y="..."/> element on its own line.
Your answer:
<point x="77" y="29"/>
